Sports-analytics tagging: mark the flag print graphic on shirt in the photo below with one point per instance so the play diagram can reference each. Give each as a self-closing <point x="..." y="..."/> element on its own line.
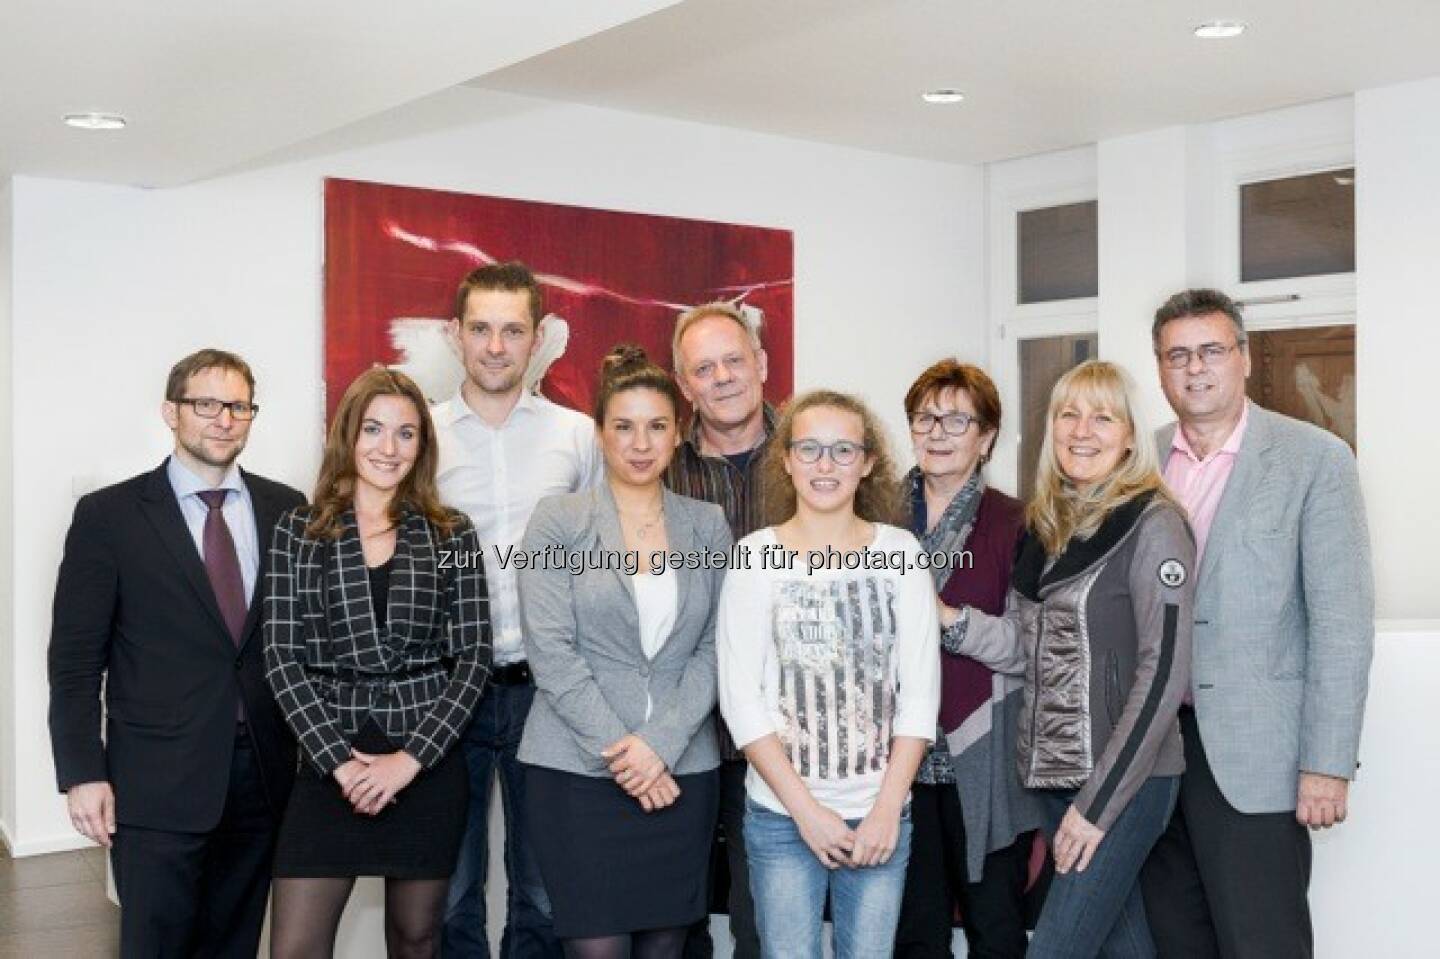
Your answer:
<point x="834" y="639"/>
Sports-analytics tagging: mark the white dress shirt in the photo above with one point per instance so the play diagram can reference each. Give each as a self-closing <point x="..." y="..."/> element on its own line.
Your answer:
<point x="238" y="511"/>
<point x="496" y="475"/>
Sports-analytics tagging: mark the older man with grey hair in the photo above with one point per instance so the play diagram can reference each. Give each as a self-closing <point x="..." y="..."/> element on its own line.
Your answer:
<point x="720" y="367"/>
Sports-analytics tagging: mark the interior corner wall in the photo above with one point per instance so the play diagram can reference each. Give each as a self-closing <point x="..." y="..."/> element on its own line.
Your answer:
<point x="8" y="716"/>
<point x="1144" y="189"/>
<point x="1397" y="242"/>
<point x="112" y="284"/>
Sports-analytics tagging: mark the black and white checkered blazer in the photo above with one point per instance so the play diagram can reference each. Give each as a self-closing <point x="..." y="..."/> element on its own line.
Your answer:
<point x="331" y="669"/>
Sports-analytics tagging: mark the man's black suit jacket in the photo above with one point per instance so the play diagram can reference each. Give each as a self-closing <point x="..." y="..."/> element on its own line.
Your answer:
<point x="133" y="604"/>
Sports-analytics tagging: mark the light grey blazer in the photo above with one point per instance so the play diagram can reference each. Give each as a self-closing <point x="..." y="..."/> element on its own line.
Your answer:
<point x="1284" y="614"/>
<point x="582" y="638"/>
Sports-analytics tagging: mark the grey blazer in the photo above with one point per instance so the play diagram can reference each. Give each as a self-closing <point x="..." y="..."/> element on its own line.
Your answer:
<point x="582" y="638"/>
<point x="1284" y="614"/>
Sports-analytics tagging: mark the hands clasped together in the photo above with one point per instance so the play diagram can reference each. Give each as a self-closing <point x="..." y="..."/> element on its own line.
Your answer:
<point x="370" y="782"/>
<point x="641" y="773"/>
<point x="835" y="844"/>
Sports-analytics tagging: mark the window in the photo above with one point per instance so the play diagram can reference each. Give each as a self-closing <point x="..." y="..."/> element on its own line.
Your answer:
<point x="1043" y="361"/>
<point x="1058" y="252"/>
<point x="1298" y="226"/>
<point x="1307" y="373"/>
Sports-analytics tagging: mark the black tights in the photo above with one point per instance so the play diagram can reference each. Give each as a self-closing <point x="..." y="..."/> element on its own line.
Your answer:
<point x="650" y="944"/>
<point x="306" y="915"/>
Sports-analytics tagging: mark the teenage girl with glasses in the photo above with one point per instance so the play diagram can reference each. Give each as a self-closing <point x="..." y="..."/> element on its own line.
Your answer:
<point x="830" y="682"/>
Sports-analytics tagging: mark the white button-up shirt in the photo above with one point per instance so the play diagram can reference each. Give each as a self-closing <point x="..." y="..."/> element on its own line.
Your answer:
<point x="497" y="475"/>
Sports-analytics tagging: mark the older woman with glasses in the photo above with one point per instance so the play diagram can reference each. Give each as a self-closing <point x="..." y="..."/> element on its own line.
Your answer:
<point x="973" y="823"/>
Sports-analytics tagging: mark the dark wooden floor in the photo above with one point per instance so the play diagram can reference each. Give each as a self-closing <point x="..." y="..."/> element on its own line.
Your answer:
<point x="55" y="907"/>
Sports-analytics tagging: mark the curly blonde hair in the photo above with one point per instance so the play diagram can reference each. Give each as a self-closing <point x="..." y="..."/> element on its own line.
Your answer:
<point x="1059" y="512"/>
<point x="877" y="500"/>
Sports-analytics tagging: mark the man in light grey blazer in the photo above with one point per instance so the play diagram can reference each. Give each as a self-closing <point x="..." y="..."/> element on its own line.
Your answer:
<point x="1284" y="630"/>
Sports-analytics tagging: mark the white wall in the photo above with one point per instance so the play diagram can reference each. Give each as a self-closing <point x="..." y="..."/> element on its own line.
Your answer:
<point x="1144" y="248"/>
<point x="1397" y="140"/>
<point x="1372" y="884"/>
<point x="7" y="671"/>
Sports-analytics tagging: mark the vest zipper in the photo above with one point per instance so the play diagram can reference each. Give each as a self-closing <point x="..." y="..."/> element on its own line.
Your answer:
<point x="1035" y="695"/>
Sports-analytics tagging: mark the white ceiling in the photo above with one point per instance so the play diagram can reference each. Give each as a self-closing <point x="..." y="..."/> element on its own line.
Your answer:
<point x="210" y="84"/>
<point x="1040" y="75"/>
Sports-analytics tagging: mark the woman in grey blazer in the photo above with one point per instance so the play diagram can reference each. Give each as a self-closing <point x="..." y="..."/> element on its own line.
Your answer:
<point x="617" y="598"/>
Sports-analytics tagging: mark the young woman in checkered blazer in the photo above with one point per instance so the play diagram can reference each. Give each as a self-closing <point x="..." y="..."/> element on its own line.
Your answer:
<point x="377" y="644"/>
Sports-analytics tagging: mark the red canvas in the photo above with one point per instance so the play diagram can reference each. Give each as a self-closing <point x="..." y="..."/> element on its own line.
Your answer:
<point x="395" y="252"/>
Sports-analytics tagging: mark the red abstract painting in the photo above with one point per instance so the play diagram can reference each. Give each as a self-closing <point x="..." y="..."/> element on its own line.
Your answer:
<point x="395" y="255"/>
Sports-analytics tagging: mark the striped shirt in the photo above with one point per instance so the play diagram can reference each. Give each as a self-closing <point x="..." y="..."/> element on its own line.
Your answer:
<point x="834" y="663"/>
<point x="717" y="480"/>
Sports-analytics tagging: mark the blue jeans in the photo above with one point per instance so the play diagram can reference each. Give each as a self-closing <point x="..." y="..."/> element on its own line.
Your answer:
<point x="789" y="885"/>
<point x="1100" y="912"/>
<point x="490" y="743"/>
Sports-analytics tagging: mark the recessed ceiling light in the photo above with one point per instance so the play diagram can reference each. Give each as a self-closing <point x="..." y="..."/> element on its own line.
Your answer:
<point x="1220" y="29"/>
<point x="943" y="95"/>
<point x="95" y="121"/>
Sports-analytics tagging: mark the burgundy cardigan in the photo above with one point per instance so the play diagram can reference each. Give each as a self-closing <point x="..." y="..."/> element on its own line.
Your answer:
<point x="999" y="524"/>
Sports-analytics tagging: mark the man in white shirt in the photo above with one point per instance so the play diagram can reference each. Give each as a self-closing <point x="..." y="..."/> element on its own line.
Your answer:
<point x="501" y="450"/>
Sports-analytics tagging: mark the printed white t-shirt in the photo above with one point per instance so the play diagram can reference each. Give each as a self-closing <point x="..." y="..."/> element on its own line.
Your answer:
<point x="835" y="662"/>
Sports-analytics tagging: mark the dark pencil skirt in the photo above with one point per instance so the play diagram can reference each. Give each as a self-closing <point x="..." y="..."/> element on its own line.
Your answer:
<point x="417" y="837"/>
<point x="610" y="867"/>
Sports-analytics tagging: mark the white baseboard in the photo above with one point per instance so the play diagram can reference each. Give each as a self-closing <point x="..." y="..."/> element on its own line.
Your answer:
<point x="45" y="844"/>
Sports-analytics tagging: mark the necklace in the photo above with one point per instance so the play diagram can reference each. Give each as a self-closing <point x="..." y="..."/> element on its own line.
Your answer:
<point x="644" y="529"/>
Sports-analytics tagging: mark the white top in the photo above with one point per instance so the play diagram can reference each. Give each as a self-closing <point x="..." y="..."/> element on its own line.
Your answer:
<point x="656" y="597"/>
<point x="836" y="663"/>
<point x="656" y="600"/>
<point x="497" y="475"/>
<point x="238" y="510"/>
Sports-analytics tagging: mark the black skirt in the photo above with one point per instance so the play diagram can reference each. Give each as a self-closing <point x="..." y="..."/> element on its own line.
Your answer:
<point x="417" y="837"/>
<point x="609" y="866"/>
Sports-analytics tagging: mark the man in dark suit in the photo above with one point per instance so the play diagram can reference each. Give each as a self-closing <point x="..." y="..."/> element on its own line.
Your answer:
<point x="158" y="596"/>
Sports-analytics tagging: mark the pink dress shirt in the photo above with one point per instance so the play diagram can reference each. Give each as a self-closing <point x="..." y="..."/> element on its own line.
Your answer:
<point x="1199" y="484"/>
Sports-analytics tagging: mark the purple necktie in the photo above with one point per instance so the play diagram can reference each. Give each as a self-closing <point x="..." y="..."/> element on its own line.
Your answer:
<point x="222" y="565"/>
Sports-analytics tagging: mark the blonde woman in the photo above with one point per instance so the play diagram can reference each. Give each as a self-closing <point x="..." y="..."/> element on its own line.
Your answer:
<point x="1098" y="620"/>
<point x="828" y="640"/>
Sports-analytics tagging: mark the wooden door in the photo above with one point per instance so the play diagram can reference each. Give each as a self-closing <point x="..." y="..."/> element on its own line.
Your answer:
<point x="1043" y="361"/>
<point x="1308" y="374"/>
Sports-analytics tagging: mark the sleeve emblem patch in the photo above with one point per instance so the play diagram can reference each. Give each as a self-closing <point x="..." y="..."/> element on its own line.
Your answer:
<point x="1172" y="573"/>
